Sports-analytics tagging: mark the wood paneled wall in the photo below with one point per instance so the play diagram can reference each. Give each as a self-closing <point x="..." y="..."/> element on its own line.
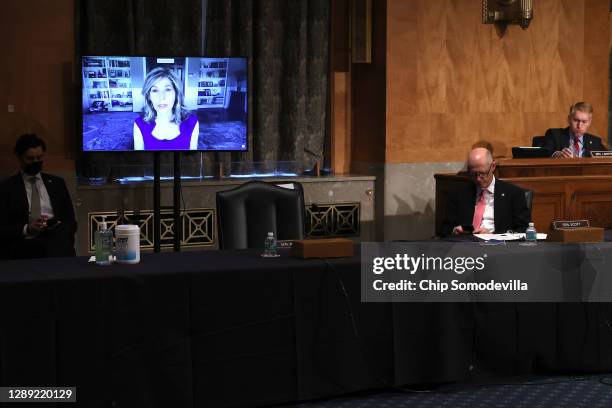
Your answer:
<point x="452" y="81"/>
<point x="36" y="76"/>
<point x="368" y="95"/>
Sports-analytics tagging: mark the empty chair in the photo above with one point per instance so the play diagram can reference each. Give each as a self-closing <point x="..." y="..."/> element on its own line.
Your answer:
<point x="529" y="200"/>
<point x="246" y="214"/>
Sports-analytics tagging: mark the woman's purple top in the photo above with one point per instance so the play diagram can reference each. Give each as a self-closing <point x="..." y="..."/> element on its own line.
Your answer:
<point x="181" y="142"/>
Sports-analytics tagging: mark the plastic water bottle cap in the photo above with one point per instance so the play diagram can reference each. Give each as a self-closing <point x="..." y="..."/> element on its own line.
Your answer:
<point x="531" y="224"/>
<point x="270" y="234"/>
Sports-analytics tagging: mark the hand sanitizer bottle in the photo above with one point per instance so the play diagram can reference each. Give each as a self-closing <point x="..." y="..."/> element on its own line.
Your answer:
<point x="104" y="244"/>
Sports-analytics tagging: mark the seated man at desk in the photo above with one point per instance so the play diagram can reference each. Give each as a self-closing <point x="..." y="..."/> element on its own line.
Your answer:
<point x="37" y="214"/>
<point x="573" y="141"/>
<point x="487" y="205"/>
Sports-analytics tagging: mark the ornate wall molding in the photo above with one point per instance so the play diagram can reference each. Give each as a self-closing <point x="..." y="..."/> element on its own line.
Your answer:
<point x="332" y="220"/>
<point x="198" y="224"/>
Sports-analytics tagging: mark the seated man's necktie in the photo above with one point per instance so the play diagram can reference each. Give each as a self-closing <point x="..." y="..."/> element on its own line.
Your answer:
<point x="479" y="211"/>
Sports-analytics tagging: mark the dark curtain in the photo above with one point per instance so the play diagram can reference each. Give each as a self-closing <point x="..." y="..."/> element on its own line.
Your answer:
<point x="287" y="46"/>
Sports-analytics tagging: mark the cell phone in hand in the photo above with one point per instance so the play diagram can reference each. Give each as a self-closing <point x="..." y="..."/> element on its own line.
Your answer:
<point x="52" y="223"/>
<point x="467" y="229"/>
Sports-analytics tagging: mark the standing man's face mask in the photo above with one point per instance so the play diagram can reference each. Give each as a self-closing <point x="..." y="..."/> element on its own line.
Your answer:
<point x="33" y="168"/>
<point x="31" y="162"/>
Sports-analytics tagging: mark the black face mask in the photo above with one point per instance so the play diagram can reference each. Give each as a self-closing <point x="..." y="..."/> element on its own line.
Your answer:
<point x="33" y="168"/>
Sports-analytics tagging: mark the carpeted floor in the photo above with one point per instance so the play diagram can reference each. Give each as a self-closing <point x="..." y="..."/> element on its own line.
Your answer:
<point x="544" y="392"/>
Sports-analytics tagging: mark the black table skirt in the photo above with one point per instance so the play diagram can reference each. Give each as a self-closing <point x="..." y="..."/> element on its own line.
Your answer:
<point x="230" y="329"/>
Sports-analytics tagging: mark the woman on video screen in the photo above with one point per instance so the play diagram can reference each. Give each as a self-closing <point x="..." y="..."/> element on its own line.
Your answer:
<point x="166" y="124"/>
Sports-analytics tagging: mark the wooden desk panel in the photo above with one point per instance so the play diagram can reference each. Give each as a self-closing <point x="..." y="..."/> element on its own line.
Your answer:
<point x="570" y="198"/>
<point x="595" y="206"/>
<point x="507" y="168"/>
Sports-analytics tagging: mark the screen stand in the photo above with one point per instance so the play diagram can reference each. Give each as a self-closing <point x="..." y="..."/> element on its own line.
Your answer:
<point x="156" y="202"/>
<point x="177" y="201"/>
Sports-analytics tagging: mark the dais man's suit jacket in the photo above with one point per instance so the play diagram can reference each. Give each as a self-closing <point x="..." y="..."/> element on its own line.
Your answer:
<point x="556" y="139"/>
<point x="510" y="208"/>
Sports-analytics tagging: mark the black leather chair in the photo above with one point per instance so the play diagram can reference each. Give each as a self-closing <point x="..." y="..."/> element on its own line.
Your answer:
<point x="529" y="200"/>
<point x="537" y="141"/>
<point x="248" y="212"/>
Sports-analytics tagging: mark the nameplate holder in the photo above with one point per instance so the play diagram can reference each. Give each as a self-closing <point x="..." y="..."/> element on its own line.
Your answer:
<point x="601" y="153"/>
<point x="322" y="248"/>
<point x="573" y="224"/>
<point x="577" y="235"/>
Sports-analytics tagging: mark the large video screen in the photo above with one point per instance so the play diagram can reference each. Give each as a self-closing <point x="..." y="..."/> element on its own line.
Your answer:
<point x="171" y="103"/>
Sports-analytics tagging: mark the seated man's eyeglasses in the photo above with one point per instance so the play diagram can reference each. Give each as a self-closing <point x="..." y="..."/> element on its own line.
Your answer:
<point x="478" y="174"/>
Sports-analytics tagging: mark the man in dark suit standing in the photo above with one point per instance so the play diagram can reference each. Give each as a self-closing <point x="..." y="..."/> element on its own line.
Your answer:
<point x="573" y="141"/>
<point x="37" y="217"/>
<point x="487" y="205"/>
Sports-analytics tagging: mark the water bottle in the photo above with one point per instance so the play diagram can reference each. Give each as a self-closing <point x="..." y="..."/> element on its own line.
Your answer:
<point x="104" y="244"/>
<point x="531" y="235"/>
<point x="270" y="246"/>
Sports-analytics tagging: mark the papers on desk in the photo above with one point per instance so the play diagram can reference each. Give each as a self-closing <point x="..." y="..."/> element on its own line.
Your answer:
<point x="506" y="236"/>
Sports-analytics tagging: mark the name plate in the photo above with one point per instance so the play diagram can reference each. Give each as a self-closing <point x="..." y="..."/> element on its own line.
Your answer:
<point x="601" y="153"/>
<point x="570" y="224"/>
<point x="284" y="244"/>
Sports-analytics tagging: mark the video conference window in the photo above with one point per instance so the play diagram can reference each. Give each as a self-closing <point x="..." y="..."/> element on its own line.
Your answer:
<point x="153" y="103"/>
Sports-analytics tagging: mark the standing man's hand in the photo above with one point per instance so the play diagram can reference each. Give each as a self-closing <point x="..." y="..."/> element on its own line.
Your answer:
<point x="37" y="225"/>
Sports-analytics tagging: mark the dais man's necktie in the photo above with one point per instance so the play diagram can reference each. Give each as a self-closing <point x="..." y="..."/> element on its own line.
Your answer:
<point x="479" y="211"/>
<point x="576" y="147"/>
